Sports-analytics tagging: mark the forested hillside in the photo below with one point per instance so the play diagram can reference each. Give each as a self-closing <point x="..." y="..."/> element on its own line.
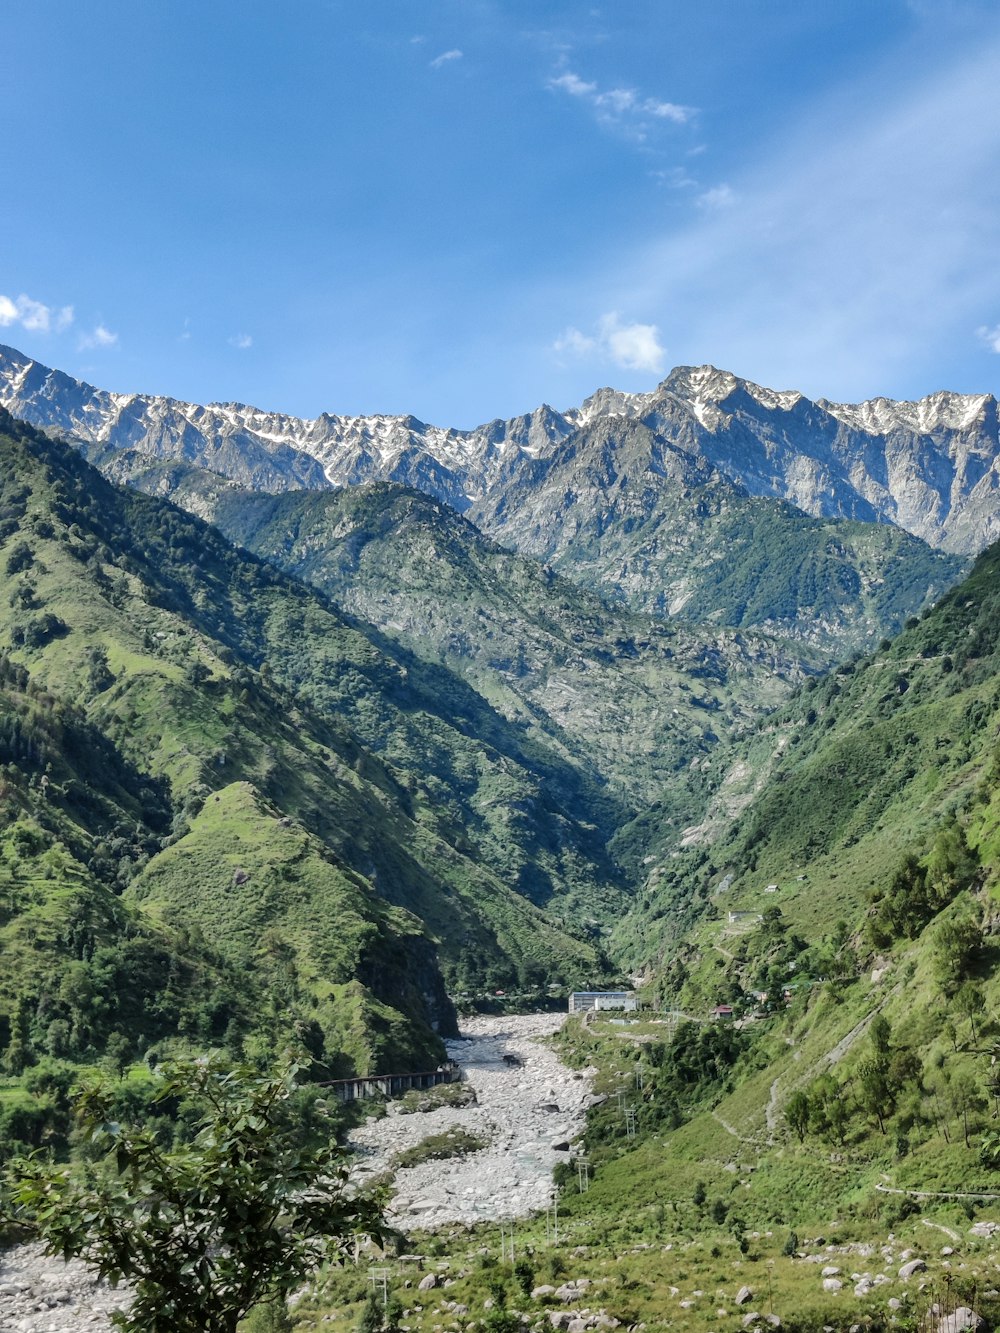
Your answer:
<point x="197" y="746"/>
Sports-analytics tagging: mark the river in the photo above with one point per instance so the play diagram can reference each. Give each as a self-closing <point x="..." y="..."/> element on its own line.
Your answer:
<point x="523" y="1109"/>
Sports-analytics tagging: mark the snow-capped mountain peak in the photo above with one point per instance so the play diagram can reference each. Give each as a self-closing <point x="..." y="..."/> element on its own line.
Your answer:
<point x="931" y="466"/>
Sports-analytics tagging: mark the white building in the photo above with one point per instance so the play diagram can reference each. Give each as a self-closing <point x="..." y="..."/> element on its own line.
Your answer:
<point x="582" y="1000"/>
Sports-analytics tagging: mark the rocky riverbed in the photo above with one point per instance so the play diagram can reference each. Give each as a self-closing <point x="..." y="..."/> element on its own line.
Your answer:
<point x="39" y="1294"/>
<point x="530" y="1108"/>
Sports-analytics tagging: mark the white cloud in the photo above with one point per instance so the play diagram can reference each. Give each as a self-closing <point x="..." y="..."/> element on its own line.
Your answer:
<point x="33" y="315"/>
<point x="680" y="115"/>
<point x="575" y="343"/>
<point x="677" y="178"/>
<point x="99" y="336"/>
<point x="627" y="346"/>
<point x="718" y="197"/>
<point x="445" y="58"/>
<point x="573" y="84"/>
<point x="990" y="337"/>
<point x="241" y="341"/>
<point x="621" y="107"/>
<point x="616" y="100"/>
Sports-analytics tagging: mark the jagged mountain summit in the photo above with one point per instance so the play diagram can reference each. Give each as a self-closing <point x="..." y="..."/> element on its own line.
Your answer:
<point x="931" y="467"/>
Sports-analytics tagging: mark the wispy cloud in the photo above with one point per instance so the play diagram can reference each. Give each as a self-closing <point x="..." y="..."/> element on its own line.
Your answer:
<point x="620" y="107"/>
<point x="33" y="315"/>
<point x="241" y="341"/>
<point x="98" y="337"/>
<point x="627" y="346"/>
<point x="718" y="197"/>
<point x="989" y="337"/>
<point x="862" y="252"/>
<point x="445" y="58"/>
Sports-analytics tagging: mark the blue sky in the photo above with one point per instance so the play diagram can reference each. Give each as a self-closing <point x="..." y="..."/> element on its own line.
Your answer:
<point x="463" y="208"/>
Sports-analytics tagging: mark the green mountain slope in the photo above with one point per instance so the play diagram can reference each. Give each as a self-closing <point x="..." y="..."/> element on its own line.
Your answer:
<point x="846" y="1114"/>
<point x="208" y="672"/>
<point x="631" y="699"/>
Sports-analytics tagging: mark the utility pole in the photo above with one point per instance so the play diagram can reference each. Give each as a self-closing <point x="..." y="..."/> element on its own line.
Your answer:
<point x="379" y="1277"/>
<point x="504" y="1239"/>
<point x="630" y="1122"/>
<point x="583" y="1174"/>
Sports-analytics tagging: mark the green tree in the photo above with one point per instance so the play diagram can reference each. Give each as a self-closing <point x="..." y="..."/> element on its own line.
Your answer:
<point x="957" y="943"/>
<point x="881" y="1034"/>
<point x="206" y="1232"/>
<point x="797" y="1112"/>
<point x="965" y="1098"/>
<point x="970" y="1002"/>
<point x="271" y="1317"/>
<point x="951" y="864"/>
<point x="874" y="1091"/>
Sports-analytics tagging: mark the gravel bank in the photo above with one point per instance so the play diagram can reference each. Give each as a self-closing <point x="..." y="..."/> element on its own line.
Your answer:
<point x="526" y="1110"/>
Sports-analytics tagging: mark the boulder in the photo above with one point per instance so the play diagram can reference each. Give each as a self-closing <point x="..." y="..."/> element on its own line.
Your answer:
<point x="569" y="1291"/>
<point x="831" y="1270"/>
<point x="742" y="1296"/>
<point x="427" y="1283"/>
<point x="913" y="1266"/>
<point x="961" y="1320"/>
<point x="832" y="1284"/>
<point x="544" y="1290"/>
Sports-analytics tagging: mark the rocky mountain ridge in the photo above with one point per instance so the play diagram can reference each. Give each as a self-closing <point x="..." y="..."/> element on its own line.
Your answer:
<point x="930" y="467"/>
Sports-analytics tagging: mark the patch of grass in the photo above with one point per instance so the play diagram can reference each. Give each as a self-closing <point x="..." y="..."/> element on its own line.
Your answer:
<point x="454" y="1142"/>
